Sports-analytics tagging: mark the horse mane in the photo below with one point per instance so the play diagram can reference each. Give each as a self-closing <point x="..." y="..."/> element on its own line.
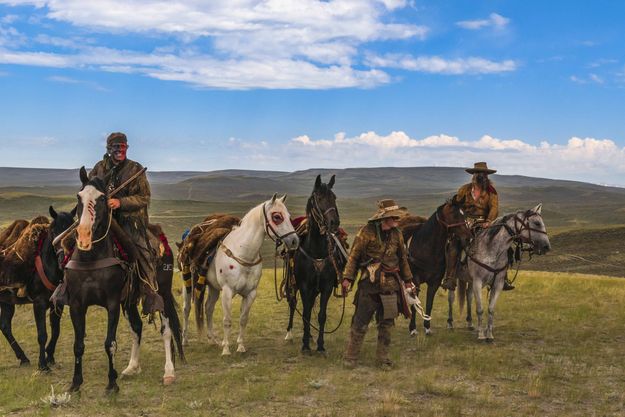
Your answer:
<point x="491" y="231"/>
<point x="409" y="224"/>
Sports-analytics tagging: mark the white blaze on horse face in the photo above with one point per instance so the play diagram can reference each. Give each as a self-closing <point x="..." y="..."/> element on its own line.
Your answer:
<point x="278" y="210"/>
<point x="88" y="196"/>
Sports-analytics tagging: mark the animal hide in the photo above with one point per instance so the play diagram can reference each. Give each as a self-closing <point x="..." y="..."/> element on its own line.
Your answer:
<point x="10" y="235"/>
<point x="19" y="259"/>
<point x="204" y="237"/>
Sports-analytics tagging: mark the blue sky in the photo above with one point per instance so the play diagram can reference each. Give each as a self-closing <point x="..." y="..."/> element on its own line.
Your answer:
<point x="532" y="87"/>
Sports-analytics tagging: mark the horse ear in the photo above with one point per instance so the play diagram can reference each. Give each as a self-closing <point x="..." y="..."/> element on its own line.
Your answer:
<point x="331" y="183"/>
<point x="84" y="178"/>
<point x="53" y="213"/>
<point x="273" y="199"/>
<point x="318" y="182"/>
<point x="179" y="244"/>
<point x="73" y="212"/>
<point x="283" y="199"/>
<point x="538" y="208"/>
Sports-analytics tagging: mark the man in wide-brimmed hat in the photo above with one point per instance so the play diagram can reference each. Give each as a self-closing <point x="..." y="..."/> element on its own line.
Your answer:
<point x="130" y="207"/>
<point x="481" y="207"/>
<point x="379" y="254"/>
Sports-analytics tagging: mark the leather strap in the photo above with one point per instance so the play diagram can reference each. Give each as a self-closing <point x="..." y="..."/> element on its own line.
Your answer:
<point x="42" y="274"/>
<point x="240" y="261"/>
<point x="92" y="265"/>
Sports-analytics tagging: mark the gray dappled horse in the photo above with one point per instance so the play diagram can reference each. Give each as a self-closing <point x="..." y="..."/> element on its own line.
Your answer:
<point x="487" y="262"/>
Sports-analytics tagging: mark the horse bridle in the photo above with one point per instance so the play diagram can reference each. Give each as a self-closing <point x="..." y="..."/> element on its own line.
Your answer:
<point x="278" y="239"/>
<point x="525" y="225"/>
<point x="449" y="226"/>
<point x="320" y="216"/>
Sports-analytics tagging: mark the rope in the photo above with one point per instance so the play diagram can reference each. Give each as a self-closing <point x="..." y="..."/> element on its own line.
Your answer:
<point x="108" y="228"/>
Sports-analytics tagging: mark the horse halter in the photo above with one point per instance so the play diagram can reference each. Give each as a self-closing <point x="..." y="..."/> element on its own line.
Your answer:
<point x="269" y="227"/>
<point x="525" y="225"/>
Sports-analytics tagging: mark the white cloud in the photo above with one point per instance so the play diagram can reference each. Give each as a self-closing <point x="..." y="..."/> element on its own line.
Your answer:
<point x="587" y="159"/>
<point x="591" y="78"/>
<point x="438" y="65"/>
<point x="235" y="44"/>
<point x="494" y="20"/>
<point x="68" y="80"/>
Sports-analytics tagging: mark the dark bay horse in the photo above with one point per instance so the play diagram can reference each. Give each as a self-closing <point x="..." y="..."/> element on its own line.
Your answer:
<point x="317" y="261"/>
<point x="39" y="289"/>
<point x="426" y="250"/>
<point x="95" y="276"/>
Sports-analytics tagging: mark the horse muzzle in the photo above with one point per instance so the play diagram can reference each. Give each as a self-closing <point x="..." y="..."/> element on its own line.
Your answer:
<point x="291" y="242"/>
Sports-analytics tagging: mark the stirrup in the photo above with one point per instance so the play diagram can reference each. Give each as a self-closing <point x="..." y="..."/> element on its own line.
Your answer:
<point x="507" y="286"/>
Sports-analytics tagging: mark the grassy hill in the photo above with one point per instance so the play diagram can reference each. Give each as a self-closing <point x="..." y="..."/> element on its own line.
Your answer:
<point x="181" y="199"/>
<point x="557" y="352"/>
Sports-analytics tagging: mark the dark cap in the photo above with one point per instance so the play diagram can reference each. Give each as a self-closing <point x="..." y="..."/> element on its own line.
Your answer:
<point x="116" y="137"/>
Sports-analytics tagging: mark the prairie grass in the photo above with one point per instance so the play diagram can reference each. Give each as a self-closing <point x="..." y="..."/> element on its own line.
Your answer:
<point x="558" y="350"/>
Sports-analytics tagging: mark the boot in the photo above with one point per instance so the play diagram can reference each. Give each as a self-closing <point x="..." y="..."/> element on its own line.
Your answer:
<point x="384" y="343"/>
<point x="356" y="338"/>
<point x="21" y="292"/>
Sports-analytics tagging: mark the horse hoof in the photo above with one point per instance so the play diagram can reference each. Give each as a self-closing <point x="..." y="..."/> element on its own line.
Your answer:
<point x="24" y="362"/>
<point x="225" y="351"/>
<point x="241" y="349"/>
<point x="306" y="351"/>
<point x="414" y="332"/>
<point x="74" y="388"/>
<point x="490" y="339"/>
<point x="131" y="371"/>
<point x="450" y="326"/>
<point x="50" y="360"/>
<point x="112" y="389"/>
<point x="428" y="332"/>
<point x="168" y="380"/>
<point x="289" y="336"/>
<point x="45" y="369"/>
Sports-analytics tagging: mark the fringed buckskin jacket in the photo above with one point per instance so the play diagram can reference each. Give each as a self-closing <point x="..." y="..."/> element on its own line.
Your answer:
<point x="485" y="207"/>
<point x="388" y="249"/>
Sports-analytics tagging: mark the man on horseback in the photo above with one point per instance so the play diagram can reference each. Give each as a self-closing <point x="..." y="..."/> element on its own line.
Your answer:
<point x="481" y="207"/>
<point x="380" y="255"/>
<point x="130" y="207"/>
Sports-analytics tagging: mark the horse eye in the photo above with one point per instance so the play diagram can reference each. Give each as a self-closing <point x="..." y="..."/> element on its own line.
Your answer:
<point x="277" y="218"/>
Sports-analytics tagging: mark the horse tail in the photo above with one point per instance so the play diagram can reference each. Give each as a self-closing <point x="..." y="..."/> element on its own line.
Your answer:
<point x="462" y="294"/>
<point x="171" y="311"/>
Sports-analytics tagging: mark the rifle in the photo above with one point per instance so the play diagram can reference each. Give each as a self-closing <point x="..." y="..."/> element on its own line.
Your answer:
<point x="111" y="194"/>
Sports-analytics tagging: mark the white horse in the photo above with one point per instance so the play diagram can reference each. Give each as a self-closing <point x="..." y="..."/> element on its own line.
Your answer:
<point x="237" y="266"/>
<point x="488" y="257"/>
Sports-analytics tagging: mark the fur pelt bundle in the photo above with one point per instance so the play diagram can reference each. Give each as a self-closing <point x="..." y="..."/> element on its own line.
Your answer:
<point x="10" y="235"/>
<point x="18" y="259"/>
<point x="204" y="237"/>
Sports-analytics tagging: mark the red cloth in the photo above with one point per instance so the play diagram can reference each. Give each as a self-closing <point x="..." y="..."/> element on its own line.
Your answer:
<point x="165" y="243"/>
<point x="297" y="221"/>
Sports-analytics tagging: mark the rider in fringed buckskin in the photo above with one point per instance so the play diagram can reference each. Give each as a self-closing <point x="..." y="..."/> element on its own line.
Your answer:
<point x="481" y="207"/>
<point x="379" y="253"/>
<point x="130" y="207"/>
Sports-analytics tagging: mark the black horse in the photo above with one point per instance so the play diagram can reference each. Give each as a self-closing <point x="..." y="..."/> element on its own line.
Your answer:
<point x="426" y="249"/>
<point x="39" y="289"/>
<point x="317" y="261"/>
<point x="95" y="276"/>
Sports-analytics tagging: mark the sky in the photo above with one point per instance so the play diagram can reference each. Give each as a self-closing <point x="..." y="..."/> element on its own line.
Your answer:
<point x="532" y="87"/>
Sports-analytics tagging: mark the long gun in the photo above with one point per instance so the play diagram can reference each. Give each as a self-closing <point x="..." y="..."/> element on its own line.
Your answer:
<point x="111" y="194"/>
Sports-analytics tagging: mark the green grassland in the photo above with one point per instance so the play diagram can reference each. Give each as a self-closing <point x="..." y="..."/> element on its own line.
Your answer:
<point x="557" y="352"/>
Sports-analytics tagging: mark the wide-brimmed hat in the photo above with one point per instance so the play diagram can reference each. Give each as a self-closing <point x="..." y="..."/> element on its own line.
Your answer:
<point x="387" y="208"/>
<point x="480" y="167"/>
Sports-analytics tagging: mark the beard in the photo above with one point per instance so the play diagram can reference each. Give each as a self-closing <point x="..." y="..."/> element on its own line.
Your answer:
<point x="482" y="181"/>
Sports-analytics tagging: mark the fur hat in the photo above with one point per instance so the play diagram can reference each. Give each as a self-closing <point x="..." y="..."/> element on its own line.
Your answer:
<point x="116" y="137"/>
<point x="480" y="167"/>
<point x="387" y="208"/>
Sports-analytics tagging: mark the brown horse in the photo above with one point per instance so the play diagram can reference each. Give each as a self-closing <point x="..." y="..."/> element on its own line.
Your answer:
<point x="426" y="250"/>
